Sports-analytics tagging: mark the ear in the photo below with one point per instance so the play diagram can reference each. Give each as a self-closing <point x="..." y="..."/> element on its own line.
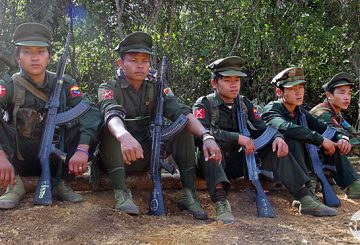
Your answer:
<point x="120" y="63"/>
<point x="213" y="83"/>
<point x="279" y="92"/>
<point x="328" y="95"/>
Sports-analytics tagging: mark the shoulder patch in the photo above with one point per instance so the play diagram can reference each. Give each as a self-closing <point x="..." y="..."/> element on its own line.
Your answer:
<point x="105" y="94"/>
<point x="168" y="92"/>
<point x="2" y="91"/>
<point x="199" y="113"/>
<point x="256" y="112"/>
<point x="75" y="91"/>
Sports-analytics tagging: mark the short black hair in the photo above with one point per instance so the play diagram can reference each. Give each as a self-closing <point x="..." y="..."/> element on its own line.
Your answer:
<point x="216" y="76"/>
<point x="122" y="56"/>
<point x="331" y="90"/>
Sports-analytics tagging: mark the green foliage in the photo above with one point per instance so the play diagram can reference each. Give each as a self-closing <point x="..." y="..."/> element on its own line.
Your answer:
<point x="321" y="36"/>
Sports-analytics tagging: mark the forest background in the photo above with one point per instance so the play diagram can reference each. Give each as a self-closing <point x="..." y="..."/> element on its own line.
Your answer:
<point x="323" y="37"/>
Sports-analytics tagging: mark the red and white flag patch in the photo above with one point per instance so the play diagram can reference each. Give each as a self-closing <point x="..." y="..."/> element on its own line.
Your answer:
<point x="199" y="113"/>
<point x="168" y="92"/>
<point x="75" y="91"/>
<point x="2" y="91"/>
<point x="256" y="113"/>
<point x="107" y="94"/>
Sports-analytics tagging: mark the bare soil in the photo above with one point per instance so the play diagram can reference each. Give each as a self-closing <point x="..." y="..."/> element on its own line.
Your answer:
<point x="96" y="222"/>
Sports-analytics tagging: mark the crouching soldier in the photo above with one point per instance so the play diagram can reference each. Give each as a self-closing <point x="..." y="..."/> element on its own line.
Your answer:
<point x="23" y="98"/>
<point x="300" y="128"/>
<point x="128" y="105"/>
<point x="338" y="98"/>
<point x="218" y="113"/>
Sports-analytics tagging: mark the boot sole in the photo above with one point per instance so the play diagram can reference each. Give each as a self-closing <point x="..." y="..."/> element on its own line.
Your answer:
<point x="318" y="214"/>
<point x="129" y="211"/>
<point x="195" y="215"/>
<point x="353" y="196"/>
<point x="9" y="204"/>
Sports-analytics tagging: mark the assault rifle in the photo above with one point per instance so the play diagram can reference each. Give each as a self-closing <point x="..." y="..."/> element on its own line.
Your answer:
<point x="329" y="194"/>
<point x="264" y="208"/>
<point x="43" y="195"/>
<point x="159" y="137"/>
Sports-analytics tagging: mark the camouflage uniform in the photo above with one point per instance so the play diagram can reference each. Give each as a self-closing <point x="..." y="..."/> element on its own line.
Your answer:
<point x="326" y="113"/>
<point x="296" y="135"/>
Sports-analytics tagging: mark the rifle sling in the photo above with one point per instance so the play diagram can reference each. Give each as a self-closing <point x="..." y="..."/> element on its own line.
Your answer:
<point x="29" y="87"/>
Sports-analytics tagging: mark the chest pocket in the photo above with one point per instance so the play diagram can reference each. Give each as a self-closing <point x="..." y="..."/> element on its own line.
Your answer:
<point x="29" y="123"/>
<point x="214" y="122"/>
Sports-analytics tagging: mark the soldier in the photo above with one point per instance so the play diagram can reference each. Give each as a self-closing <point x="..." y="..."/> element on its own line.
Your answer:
<point x="218" y="112"/>
<point x="284" y="114"/>
<point x="21" y="135"/>
<point x="338" y="97"/>
<point x="128" y="105"/>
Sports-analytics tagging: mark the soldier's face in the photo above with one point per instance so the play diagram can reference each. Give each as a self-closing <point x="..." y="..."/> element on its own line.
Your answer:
<point x="228" y="88"/>
<point x="33" y="60"/>
<point x="135" y="66"/>
<point x="293" y="96"/>
<point x="341" y="97"/>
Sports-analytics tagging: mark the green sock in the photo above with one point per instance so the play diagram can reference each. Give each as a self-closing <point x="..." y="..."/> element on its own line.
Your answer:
<point x="117" y="178"/>
<point x="188" y="179"/>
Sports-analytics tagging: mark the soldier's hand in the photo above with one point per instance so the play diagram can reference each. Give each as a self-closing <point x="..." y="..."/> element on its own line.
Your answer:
<point x="280" y="146"/>
<point x="329" y="146"/>
<point x="247" y="143"/>
<point x="78" y="163"/>
<point x="344" y="146"/>
<point x="7" y="173"/>
<point x="211" y="151"/>
<point x="130" y="148"/>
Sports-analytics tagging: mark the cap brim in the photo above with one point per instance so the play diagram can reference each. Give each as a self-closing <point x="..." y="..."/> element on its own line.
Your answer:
<point x="33" y="43"/>
<point x="343" y="84"/>
<point x="292" y="84"/>
<point x="138" y="50"/>
<point x="230" y="73"/>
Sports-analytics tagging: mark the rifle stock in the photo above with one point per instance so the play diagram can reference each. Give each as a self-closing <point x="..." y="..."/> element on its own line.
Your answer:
<point x="264" y="208"/>
<point x="330" y="198"/>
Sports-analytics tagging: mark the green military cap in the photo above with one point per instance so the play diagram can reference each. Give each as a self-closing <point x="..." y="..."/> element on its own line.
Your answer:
<point x="138" y="41"/>
<point x="229" y="66"/>
<point x="339" y="79"/>
<point x="289" y="77"/>
<point x="32" y="34"/>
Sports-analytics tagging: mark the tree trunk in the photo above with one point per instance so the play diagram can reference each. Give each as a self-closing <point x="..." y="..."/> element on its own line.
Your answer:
<point x="120" y="9"/>
<point x="1" y="11"/>
<point x="158" y="5"/>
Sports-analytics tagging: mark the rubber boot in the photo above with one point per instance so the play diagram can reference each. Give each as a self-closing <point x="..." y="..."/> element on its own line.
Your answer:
<point x="13" y="195"/>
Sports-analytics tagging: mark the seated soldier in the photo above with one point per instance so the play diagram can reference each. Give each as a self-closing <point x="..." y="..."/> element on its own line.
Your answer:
<point x="21" y="135"/>
<point x="338" y="97"/>
<point x="285" y="115"/>
<point x="128" y="105"/>
<point x="218" y="112"/>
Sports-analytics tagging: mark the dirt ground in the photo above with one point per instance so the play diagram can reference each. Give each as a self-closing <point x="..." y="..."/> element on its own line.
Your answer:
<point x="96" y="222"/>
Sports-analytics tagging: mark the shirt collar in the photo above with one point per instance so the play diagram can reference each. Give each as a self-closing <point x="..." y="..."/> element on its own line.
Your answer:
<point x="217" y="100"/>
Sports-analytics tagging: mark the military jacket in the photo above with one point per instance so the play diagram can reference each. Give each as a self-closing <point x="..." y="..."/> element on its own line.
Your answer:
<point x="137" y="108"/>
<point x="326" y="113"/>
<point x="33" y="108"/>
<point x="226" y="129"/>
<point x="277" y="115"/>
